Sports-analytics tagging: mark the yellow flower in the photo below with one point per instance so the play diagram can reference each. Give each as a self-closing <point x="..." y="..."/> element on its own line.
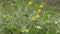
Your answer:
<point x="29" y="3"/>
<point x="39" y="10"/>
<point x="37" y="16"/>
<point x="26" y="30"/>
<point x="42" y="5"/>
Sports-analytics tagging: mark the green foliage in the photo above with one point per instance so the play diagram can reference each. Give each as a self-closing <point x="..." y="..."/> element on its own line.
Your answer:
<point x="19" y="17"/>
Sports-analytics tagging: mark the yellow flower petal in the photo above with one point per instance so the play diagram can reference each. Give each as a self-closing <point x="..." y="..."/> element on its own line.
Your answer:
<point x="37" y="16"/>
<point x="26" y="30"/>
<point x="39" y="11"/>
<point x="29" y="3"/>
<point x="42" y="5"/>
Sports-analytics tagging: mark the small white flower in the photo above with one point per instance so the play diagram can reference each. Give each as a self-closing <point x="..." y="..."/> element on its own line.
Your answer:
<point x="39" y="27"/>
<point x="56" y="22"/>
<point x="25" y="30"/>
<point x="58" y="31"/>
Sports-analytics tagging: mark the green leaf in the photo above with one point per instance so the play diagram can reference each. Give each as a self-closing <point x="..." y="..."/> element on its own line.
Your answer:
<point x="47" y="32"/>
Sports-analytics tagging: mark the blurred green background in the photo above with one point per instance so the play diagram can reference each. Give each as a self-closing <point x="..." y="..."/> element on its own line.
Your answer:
<point x="29" y="16"/>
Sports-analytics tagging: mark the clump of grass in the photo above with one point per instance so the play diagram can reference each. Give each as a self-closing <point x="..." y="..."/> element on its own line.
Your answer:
<point x="28" y="17"/>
